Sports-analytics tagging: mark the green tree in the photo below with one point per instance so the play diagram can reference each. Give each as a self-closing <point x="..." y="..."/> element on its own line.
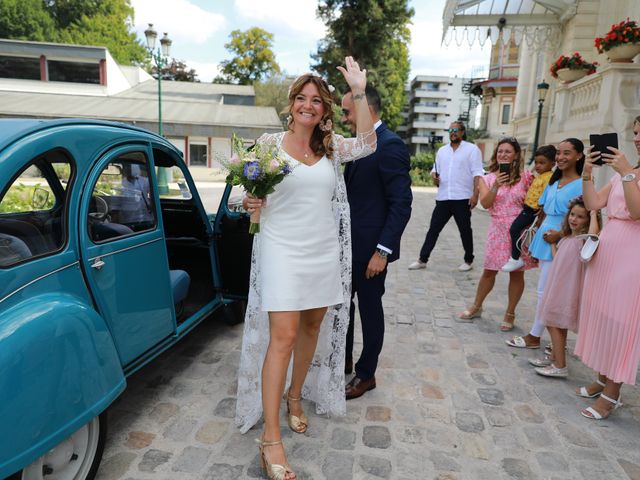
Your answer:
<point x="178" y="71"/>
<point x="107" y="23"/>
<point x="376" y="34"/>
<point x="253" y="57"/>
<point x="274" y="92"/>
<point x="26" y="20"/>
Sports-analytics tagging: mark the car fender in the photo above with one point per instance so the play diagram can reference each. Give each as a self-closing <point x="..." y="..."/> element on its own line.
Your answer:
<point x="59" y="368"/>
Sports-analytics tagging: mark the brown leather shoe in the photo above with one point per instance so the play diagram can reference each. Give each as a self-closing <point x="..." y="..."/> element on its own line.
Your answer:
<point x="357" y="387"/>
<point x="348" y="367"/>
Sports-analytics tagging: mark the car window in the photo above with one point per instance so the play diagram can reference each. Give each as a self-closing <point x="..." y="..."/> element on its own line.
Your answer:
<point x="122" y="202"/>
<point x="171" y="183"/>
<point x="33" y="209"/>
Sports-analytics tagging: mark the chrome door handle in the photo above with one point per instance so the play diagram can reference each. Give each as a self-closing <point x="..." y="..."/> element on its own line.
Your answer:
<point x="97" y="263"/>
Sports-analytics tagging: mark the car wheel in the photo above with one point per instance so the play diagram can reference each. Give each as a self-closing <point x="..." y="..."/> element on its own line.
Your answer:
<point x="76" y="458"/>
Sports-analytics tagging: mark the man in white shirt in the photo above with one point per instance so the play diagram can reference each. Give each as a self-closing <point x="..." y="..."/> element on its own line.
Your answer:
<point x="456" y="171"/>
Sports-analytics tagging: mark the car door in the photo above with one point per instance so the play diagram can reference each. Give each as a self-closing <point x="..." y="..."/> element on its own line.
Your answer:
<point x="123" y="250"/>
<point x="233" y="244"/>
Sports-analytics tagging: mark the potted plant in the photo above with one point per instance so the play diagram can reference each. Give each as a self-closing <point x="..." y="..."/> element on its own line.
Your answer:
<point x="572" y="68"/>
<point x="622" y="42"/>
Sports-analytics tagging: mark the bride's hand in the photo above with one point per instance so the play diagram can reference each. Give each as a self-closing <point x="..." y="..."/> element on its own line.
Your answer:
<point x="252" y="203"/>
<point x="355" y="78"/>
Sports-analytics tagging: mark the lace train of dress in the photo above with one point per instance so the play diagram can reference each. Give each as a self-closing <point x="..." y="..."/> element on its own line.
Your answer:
<point x="324" y="384"/>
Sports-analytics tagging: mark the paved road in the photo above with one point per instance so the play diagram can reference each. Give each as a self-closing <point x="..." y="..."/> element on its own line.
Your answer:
<point x="453" y="402"/>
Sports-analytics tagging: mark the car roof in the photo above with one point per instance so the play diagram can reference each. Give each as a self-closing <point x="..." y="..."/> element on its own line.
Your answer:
<point x="12" y="129"/>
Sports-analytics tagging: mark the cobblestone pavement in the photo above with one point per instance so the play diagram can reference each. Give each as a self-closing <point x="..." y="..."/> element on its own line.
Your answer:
<point x="453" y="401"/>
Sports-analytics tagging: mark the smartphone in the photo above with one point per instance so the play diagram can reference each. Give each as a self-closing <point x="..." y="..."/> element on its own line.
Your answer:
<point x="504" y="167"/>
<point x="601" y="142"/>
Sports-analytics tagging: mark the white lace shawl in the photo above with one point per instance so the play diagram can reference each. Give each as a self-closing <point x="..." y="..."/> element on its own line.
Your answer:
<point x="324" y="384"/>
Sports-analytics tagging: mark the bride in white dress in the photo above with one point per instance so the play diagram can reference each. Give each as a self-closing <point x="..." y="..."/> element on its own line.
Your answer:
<point x="301" y="271"/>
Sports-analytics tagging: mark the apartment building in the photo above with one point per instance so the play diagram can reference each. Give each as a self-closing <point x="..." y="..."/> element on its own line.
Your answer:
<point x="433" y="103"/>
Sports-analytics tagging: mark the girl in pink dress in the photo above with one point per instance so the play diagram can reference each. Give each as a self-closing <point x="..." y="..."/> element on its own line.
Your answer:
<point x="609" y="340"/>
<point x="503" y="195"/>
<point x="560" y="303"/>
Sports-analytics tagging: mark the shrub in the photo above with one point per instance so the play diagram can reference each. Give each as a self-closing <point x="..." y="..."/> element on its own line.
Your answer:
<point x="421" y="165"/>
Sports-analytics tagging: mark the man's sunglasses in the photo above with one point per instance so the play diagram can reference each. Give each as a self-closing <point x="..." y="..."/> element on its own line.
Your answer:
<point x="454" y="130"/>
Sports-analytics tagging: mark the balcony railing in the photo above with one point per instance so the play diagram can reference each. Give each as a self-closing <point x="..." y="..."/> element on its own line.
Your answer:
<point x="606" y="101"/>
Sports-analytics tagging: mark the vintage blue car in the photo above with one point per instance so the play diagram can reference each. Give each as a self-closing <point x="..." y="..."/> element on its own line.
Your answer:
<point x="107" y="259"/>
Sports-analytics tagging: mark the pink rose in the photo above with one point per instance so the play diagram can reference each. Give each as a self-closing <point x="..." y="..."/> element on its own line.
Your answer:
<point x="235" y="159"/>
<point x="274" y="165"/>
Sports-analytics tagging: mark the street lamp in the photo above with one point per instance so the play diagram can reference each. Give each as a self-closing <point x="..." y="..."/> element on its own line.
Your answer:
<point x="543" y="88"/>
<point x="160" y="58"/>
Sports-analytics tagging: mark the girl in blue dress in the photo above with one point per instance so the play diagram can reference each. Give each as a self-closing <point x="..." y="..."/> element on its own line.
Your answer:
<point x="564" y="186"/>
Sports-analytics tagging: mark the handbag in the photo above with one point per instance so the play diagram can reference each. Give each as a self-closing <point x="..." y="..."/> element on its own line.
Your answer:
<point x="526" y="237"/>
<point x="588" y="250"/>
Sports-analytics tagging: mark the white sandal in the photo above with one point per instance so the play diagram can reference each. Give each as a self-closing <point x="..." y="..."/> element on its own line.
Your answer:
<point x="592" y="414"/>
<point x="520" y="342"/>
<point x="583" y="392"/>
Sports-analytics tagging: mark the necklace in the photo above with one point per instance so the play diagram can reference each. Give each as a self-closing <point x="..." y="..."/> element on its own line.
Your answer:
<point x="305" y="153"/>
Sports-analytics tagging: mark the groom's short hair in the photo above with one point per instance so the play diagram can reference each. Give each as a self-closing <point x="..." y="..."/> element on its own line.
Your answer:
<point x="373" y="98"/>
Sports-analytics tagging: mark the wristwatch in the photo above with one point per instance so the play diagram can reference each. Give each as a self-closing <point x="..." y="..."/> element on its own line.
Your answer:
<point x="382" y="253"/>
<point x="629" y="177"/>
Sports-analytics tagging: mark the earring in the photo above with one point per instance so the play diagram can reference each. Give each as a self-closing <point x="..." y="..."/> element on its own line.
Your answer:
<point x="289" y="118"/>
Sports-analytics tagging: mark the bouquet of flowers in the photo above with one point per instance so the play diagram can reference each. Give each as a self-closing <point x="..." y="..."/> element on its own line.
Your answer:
<point x="621" y="33"/>
<point x="258" y="170"/>
<point x="574" y="62"/>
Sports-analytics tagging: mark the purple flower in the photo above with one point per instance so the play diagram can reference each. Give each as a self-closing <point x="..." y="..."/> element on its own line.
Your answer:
<point x="286" y="168"/>
<point x="252" y="170"/>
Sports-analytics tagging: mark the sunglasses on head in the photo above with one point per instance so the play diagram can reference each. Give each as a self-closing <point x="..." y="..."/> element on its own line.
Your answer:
<point x="454" y="130"/>
<point x="508" y="139"/>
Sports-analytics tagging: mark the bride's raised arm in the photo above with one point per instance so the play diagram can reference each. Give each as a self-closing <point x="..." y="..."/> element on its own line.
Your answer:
<point x="347" y="149"/>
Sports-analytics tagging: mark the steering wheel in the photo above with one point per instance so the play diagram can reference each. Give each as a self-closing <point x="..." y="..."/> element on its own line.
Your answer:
<point x="102" y="209"/>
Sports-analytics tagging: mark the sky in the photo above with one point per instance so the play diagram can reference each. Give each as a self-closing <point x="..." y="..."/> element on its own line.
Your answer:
<point x="200" y="28"/>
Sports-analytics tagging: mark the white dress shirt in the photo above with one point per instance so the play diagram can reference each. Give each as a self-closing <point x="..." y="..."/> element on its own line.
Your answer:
<point x="457" y="170"/>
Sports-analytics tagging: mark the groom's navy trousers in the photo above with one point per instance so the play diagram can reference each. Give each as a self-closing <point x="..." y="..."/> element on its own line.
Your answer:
<point x="379" y="192"/>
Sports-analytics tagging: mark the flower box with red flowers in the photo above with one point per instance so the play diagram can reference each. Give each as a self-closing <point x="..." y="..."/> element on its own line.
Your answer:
<point x="573" y="62"/>
<point x="623" y="33"/>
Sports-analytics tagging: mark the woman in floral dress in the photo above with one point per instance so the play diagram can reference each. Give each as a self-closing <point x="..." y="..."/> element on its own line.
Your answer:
<point x="503" y="195"/>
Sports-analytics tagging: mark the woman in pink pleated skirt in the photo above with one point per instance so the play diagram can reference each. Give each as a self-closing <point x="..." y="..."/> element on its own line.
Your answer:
<point x="609" y="338"/>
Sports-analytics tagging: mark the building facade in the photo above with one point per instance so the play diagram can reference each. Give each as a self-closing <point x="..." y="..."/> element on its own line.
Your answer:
<point x="45" y="80"/>
<point x="606" y="101"/>
<point x="497" y="94"/>
<point x="433" y="103"/>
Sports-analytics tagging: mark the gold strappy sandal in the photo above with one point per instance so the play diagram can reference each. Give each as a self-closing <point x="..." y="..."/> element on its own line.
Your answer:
<point x="297" y="424"/>
<point x="471" y="313"/>
<point x="508" y="326"/>
<point x="273" y="470"/>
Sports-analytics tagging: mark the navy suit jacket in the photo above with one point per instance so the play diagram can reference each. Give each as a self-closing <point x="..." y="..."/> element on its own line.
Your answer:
<point x="379" y="192"/>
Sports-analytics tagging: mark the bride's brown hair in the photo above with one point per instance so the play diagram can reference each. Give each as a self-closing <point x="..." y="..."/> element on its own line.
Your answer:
<point x="321" y="141"/>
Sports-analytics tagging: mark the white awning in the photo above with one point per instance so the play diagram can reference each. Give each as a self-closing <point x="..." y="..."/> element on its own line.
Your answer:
<point x="536" y="21"/>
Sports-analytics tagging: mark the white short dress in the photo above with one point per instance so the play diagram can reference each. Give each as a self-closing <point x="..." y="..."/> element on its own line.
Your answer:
<point x="300" y="260"/>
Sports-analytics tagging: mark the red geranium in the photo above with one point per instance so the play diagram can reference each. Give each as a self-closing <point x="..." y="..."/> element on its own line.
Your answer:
<point x="574" y="62"/>
<point x="626" y="31"/>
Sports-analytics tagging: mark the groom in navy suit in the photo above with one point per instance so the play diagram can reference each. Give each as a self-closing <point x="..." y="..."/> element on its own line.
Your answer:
<point x="379" y="192"/>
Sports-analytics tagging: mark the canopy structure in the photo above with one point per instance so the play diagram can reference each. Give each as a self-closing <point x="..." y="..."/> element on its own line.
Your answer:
<point x="538" y="22"/>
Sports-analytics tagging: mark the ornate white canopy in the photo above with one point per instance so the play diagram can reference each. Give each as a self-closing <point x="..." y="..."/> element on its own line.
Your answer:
<point x="538" y="22"/>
